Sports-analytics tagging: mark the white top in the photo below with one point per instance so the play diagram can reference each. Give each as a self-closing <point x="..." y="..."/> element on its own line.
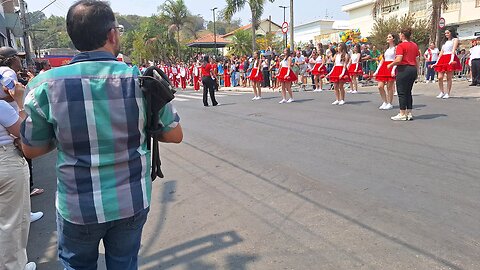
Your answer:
<point x="448" y="46"/>
<point x="8" y="117"/>
<point x="431" y="55"/>
<point x="300" y="59"/>
<point x="284" y="63"/>
<point x="338" y="59"/>
<point x="355" y="58"/>
<point x="328" y="53"/>
<point x="389" y="54"/>
<point x="319" y="59"/>
<point x="475" y="53"/>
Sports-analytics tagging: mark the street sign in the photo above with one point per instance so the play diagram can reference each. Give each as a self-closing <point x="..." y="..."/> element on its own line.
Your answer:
<point x="284" y="27"/>
<point x="441" y="23"/>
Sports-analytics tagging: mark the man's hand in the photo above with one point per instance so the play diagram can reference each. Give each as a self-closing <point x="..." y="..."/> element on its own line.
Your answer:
<point x="175" y="135"/>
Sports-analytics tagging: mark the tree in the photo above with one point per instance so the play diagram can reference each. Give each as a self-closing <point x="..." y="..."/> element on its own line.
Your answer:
<point x="382" y="27"/>
<point x="256" y="8"/>
<point x="223" y="27"/>
<point x="241" y="43"/>
<point x="270" y="40"/>
<point x="436" y="11"/>
<point x="43" y="38"/>
<point x="175" y="13"/>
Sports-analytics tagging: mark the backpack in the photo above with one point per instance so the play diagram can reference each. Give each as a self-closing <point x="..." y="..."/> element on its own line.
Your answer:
<point x="157" y="91"/>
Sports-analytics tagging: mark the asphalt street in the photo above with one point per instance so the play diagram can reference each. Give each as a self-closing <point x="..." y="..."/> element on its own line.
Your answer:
<point x="306" y="185"/>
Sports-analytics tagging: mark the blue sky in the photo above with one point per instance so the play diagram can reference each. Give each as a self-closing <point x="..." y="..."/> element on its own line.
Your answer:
<point x="305" y="10"/>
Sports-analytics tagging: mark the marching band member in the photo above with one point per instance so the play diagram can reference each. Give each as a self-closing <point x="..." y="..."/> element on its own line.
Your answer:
<point x="256" y="77"/>
<point x="385" y="75"/>
<point x="355" y="68"/>
<point x="286" y="77"/>
<point x="339" y="74"/>
<point x="319" y="70"/>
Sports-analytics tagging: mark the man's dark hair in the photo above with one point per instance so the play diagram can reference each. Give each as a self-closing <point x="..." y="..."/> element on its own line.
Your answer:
<point x="88" y="24"/>
<point x="407" y="32"/>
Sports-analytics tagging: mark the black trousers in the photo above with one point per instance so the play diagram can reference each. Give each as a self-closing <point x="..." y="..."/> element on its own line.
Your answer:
<point x="266" y="78"/>
<point x="406" y="76"/>
<point x="476" y="71"/>
<point x="208" y="86"/>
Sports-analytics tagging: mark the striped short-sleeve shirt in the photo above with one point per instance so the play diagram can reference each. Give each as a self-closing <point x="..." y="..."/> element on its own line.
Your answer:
<point x="94" y="111"/>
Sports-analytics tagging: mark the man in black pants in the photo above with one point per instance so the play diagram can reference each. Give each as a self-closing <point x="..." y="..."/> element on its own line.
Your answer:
<point x="208" y="82"/>
<point x="475" y="58"/>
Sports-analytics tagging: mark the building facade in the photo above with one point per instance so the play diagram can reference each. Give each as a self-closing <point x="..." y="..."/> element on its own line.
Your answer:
<point x="322" y="30"/>
<point x="461" y="14"/>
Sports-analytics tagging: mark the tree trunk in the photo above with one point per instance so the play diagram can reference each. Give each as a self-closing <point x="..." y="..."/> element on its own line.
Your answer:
<point x="178" y="42"/>
<point x="436" y="13"/>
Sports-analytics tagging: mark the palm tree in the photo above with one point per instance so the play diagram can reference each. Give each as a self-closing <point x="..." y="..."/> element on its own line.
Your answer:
<point x="256" y="8"/>
<point x="175" y="13"/>
<point x="437" y="7"/>
<point x="241" y="43"/>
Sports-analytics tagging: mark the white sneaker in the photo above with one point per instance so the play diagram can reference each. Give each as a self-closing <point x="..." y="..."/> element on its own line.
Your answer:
<point x="258" y="98"/>
<point x="290" y="100"/>
<point x="354" y="92"/>
<point x="349" y="91"/>
<point x="282" y="101"/>
<point x="254" y="98"/>
<point x="30" y="266"/>
<point x="399" y="117"/>
<point x="35" y="216"/>
<point x="440" y="95"/>
<point x="317" y="90"/>
<point x="382" y="107"/>
<point x="335" y="102"/>
<point x="396" y="93"/>
<point x="341" y="102"/>
<point x="388" y="107"/>
<point x="446" y="96"/>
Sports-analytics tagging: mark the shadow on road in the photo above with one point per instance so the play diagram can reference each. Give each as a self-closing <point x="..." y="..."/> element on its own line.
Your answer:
<point x="429" y="116"/>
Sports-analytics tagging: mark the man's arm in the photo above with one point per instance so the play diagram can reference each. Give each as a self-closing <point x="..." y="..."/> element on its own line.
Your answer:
<point x="174" y="135"/>
<point x="36" y="151"/>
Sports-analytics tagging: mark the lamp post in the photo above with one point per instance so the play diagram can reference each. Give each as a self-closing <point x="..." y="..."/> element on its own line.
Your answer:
<point x="214" y="32"/>
<point x="285" y="35"/>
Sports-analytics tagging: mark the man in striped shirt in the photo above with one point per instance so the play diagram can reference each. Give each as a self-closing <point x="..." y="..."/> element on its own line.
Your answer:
<point x="93" y="112"/>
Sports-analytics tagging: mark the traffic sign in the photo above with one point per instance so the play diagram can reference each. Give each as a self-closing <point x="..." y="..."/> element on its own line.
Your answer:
<point x="284" y="27"/>
<point x="441" y="23"/>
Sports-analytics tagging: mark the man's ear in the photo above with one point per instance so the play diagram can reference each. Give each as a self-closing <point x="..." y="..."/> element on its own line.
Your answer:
<point x="111" y="36"/>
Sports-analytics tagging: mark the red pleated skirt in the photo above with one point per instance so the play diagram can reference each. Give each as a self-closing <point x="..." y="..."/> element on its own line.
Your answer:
<point x="335" y="76"/>
<point x="443" y="66"/>
<point x="254" y="77"/>
<point x="355" y="69"/>
<point x="316" y="71"/>
<point x="283" y="71"/>
<point x="385" y="74"/>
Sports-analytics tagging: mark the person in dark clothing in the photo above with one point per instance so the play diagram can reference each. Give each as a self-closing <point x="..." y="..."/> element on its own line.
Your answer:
<point x="208" y="82"/>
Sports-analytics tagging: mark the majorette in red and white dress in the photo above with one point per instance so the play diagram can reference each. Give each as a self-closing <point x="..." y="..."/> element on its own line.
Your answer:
<point x="283" y="72"/>
<point x="448" y="55"/>
<point x="384" y="74"/>
<point x="355" y="69"/>
<point x="319" y="69"/>
<point x="338" y="70"/>
<point x="256" y="74"/>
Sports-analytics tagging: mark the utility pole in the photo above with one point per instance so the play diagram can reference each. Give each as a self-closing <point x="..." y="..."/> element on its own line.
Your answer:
<point x="214" y="31"/>
<point x="292" y="45"/>
<point x="284" y="20"/>
<point x="25" y="26"/>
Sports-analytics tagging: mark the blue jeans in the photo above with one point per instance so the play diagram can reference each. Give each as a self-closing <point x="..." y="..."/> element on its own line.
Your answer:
<point x="78" y="244"/>
<point x="430" y="74"/>
<point x="234" y="78"/>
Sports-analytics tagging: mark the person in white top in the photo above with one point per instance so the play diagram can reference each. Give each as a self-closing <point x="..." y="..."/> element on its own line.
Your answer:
<point x="385" y="75"/>
<point x="355" y="68"/>
<point x="286" y="77"/>
<point x="447" y="63"/>
<point x="319" y="69"/>
<point x="475" y="63"/>
<point x="339" y="74"/>
<point x="431" y="57"/>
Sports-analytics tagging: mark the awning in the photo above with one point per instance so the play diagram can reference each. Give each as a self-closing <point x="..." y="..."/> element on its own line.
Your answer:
<point x="208" y="41"/>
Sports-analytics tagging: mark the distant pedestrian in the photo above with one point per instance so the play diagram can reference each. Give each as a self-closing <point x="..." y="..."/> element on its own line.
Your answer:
<point x="286" y="76"/>
<point x="431" y="57"/>
<point x="386" y="76"/>
<point x="475" y="63"/>
<point x="339" y="74"/>
<point x="208" y="81"/>
<point x="92" y="111"/>
<point x="256" y="76"/>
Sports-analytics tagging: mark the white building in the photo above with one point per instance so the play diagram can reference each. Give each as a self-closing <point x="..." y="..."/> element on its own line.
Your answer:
<point x="319" y="30"/>
<point x="461" y="14"/>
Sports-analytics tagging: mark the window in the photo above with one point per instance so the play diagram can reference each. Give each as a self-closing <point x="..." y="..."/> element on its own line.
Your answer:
<point x="391" y="6"/>
<point x="454" y="5"/>
<point x="418" y="5"/>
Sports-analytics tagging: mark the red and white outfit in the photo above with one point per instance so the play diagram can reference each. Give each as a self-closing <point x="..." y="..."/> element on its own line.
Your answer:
<point x="256" y="74"/>
<point x="174" y="70"/>
<point x="448" y="56"/>
<point x="196" y="77"/>
<point x="355" y="68"/>
<point x="319" y="68"/>
<point x="284" y="68"/>
<point x="339" y="73"/>
<point x="385" y="74"/>
<point x="183" y="77"/>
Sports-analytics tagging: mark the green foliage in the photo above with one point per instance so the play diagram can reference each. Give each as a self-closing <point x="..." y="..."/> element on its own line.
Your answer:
<point x="241" y="43"/>
<point x="43" y="29"/>
<point x="223" y="27"/>
<point x="270" y="40"/>
<point x="383" y="27"/>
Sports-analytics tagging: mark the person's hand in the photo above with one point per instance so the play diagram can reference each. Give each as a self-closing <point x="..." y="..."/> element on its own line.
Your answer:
<point x="30" y="76"/>
<point x="389" y="66"/>
<point x="375" y="74"/>
<point x="18" y="94"/>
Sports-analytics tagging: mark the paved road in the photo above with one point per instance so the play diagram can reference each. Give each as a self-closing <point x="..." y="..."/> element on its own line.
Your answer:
<point x="308" y="185"/>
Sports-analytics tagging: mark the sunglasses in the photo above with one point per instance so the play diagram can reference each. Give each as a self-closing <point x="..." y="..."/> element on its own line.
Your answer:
<point x="120" y="29"/>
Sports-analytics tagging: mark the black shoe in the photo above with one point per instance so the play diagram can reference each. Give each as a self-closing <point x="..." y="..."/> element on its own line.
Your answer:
<point x="205" y="105"/>
<point x="472" y="84"/>
<point x="216" y="104"/>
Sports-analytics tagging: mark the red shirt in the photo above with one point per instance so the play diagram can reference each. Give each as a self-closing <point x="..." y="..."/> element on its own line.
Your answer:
<point x="409" y="51"/>
<point x="206" y="70"/>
